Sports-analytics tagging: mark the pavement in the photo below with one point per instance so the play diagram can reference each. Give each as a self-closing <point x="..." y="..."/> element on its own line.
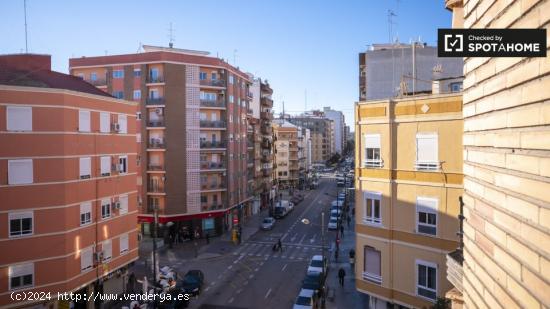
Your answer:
<point x="251" y="274"/>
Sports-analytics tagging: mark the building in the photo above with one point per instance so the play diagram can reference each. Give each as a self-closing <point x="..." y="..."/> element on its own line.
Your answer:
<point x="322" y="134"/>
<point x="413" y="67"/>
<point x="286" y="153"/>
<point x="506" y="256"/>
<point x="304" y="163"/>
<point x="67" y="184"/>
<point x="267" y="147"/>
<point x="195" y="111"/>
<point x="339" y="128"/>
<point x="409" y="179"/>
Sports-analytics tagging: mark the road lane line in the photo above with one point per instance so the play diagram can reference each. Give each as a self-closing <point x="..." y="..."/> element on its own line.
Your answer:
<point x="268" y="292"/>
<point x="301" y="240"/>
<point x="231" y="300"/>
<point x="239" y="291"/>
<point x="284" y="267"/>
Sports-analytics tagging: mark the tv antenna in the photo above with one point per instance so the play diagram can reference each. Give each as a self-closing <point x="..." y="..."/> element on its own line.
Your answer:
<point x="26" y="40"/>
<point x="171" y="36"/>
<point x="391" y="15"/>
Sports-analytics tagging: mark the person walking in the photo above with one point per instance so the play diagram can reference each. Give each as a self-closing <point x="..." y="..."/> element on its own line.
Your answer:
<point x="341" y="230"/>
<point x="207" y="238"/>
<point x="341" y="276"/>
<point x="280" y="245"/>
<point x="349" y="220"/>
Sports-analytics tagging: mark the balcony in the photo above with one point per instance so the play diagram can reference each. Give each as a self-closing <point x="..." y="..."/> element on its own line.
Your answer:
<point x="155" y="79"/>
<point x="213" y="186"/>
<point x="213" y="103"/>
<point x="213" y="206"/>
<point x="213" y="82"/>
<point x="155" y="167"/>
<point x="155" y="187"/>
<point x="156" y="123"/>
<point x="249" y="95"/>
<point x="266" y="115"/>
<point x="454" y="269"/>
<point x="98" y="82"/>
<point x="267" y="102"/>
<point x="266" y="130"/>
<point x="154" y="101"/>
<point x="213" y="124"/>
<point x="212" y="144"/>
<point x="208" y="165"/>
<point x="266" y="173"/>
<point x="156" y="143"/>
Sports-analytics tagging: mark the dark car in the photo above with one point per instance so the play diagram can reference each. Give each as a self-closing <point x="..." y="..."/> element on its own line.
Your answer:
<point x="192" y="282"/>
<point x="314" y="281"/>
<point x="280" y="212"/>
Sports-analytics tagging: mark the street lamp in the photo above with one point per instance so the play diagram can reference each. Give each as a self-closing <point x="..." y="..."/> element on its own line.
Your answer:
<point x="307" y="222"/>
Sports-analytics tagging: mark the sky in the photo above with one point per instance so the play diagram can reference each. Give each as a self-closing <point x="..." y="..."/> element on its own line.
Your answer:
<point x="299" y="46"/>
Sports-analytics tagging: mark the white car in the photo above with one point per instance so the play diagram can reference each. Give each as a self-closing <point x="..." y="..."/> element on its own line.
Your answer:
<point x="306" y="299"/>
<point x="333" y="223"/>
<point x="317" y="265"/>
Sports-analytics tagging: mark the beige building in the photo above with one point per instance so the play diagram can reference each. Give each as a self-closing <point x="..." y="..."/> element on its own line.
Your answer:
<point x="409" y="169"/>
<point x="322" y="134"/>
<point x="286" y="152"/>
<point x="506" y="165"/>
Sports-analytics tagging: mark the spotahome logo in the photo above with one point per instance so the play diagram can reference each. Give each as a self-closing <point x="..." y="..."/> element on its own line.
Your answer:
<point x="491" y="42"/>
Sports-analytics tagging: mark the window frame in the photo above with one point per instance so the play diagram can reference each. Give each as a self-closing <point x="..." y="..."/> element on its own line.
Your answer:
<point x="16" y="125"/>
<point x="422" y="207"/>
<point x="118" y="73"/>
<point x="138" y="96"/>
<point x="123" y="123"/>
<point x="123" y="200"/>
<point x="427" y="165"/>
<point x="107" y="246"/>
<point x="20" y="216"/>
<point x="106" y="204"/>
<point x="125" y="157"/>
<point x="82" y="168"/>
<point x="417" y="278"/>
<point x="88" y="251"/>
<point x="373" y="162"/>
<point x="104" y="122"/>
<point x="20" y="273"/>
<point x="83" y="127"/>
<point x="373" y="278"/>
<point x="124" y="238"/>
<point x="11" y="172"/>
<point x="86" y="208"/>
<point x="374" y="196"/>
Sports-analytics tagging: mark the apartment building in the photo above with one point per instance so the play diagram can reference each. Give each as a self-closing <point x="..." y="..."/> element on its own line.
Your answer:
<point x="194" y="108"/>
<point x="339" y="128"/>
<point x="409" y="179"/>
<point x="68" y="172"/>
<point x="505" y="262"/>
<point x="322" y="134"/>
<point x="287" y="168"/>
<point x="267" y="146"/>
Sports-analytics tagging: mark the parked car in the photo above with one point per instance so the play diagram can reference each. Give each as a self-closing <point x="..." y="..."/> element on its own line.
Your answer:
<point x="306" y="299"/>
<point x="336" y="213"/>
<point x="340" y="182"/>
<point x="333" y="223"/>
<point x="192" y="282"/>
<point x="314" y="185"/>
<point x="267" y="223"/>
<point x="315" y="282"/>
<point x="318" y="264"/>
<point x="280" y="212"/>
<point x="337" y="203"/>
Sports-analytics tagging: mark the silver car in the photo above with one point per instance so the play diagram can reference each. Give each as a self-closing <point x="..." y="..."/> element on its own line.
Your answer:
<point x="268" y="223"/>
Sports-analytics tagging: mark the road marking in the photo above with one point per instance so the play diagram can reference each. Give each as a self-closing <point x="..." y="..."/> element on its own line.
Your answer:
<point x="251" y="276"/>
<point x="268" y="292"/>
<point x="206" y="290"/>
<point x="302" y="238"/>
<point x="284" y="256"/>
<point x="239" y="291"/>
<point x="257" y="269"/>
<point x="212" y="283"/>
<point x="230" y="266"/>
<point x="231" y="300"/>
<point x="245" y="283"/>
<point x="284" y="267"/>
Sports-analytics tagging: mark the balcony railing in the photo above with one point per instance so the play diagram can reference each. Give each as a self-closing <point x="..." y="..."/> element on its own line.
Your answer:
<point x="266" y="130"/>
<point x="155" y="187"/>
<point x="154" y="101"/>
<point x="266" y="173"/>
<point x="212" y="144"/>
<point x="212" y="186"/>
<point x="155" y="167"/>
<point x="98" y="82"/>
<point x="212" y="124"/>
<point x="156" y="123"/>
<point x="155" y="79"/>
<point x="454" y="269"/>
<point x="265" y="115"/>
<point x="213" y="82"/>
<point x="266" y="102"/>
<point x="156" y="143"/>
<point x="213" y="103"/>
<point x="207" y="165"/>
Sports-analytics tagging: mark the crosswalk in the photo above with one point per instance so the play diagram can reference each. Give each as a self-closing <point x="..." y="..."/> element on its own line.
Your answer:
<point x="296" y="252"/>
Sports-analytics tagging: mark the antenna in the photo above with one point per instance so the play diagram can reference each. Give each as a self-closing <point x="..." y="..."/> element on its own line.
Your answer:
<point x="26" y="41"/>
<point x="171" y="36"/>
<point x="391" y="14"/>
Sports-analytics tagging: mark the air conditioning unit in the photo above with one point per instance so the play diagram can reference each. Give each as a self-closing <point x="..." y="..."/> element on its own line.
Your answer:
<point x="116" y="127"/>
<point x="98" y="257"/>
<point x="115" y="205"/>
<point x="158" y="111"/>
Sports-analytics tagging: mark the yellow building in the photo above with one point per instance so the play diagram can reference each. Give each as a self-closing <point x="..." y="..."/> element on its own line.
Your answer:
<point x="506" y="165"/>
<point x="409" y="180"/>
<point x="286" y="153"/>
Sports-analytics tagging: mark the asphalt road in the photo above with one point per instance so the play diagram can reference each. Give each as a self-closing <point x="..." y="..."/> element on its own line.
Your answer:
<point x="253" y="276"/>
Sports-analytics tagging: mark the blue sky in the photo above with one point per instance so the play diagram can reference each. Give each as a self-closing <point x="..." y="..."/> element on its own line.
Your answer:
<point x="296" y="45"/>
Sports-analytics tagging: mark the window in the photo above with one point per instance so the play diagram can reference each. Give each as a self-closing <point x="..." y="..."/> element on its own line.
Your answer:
<point x="137" y="94"/>
<point x="86" y="259"/>
<point x="154" y="94"/>
<point x="426" y="209"/>
<point x="93" y="76"/>
<point x="123" y="200"/>
<point x="137" y="72"/>
<point x="118" y="74"/>
<point x="138" y="137"/>
<point x="85" y="168"/>
<point x="19" y="118"/>
<point x="21" y="223"/>
<point x="105" y="166"/>
<point x="202" y="116"/>
<point x="372" y="149"/>
<point x="84" y="121"/>
<point x="123" y="243"/>
<point x="123" y="164"/>
<point x="154" y="74"/>
<point x="426" y="152"/>
<point x="372" y="208"/>
<point x="118" y="94"/>
<point x="204" y="199"/>
<point x="107" y="249"/>
<point x="104" y="122"/>
<point x="21" y="276"/>
<point x="138" y="115"/>
<point x="231" y="99"/>
<point x="105" y="208"/>
<point x="202" y="75"/>
<point x="372" y="265"/>
<point x="123" y="124"/>
<point x="214" y="76"/>
<point x="456" y="87"/>
<point x="426" y="284"/>
<point x="20" y="171"/>
<point x="231" y="79"/>
<point x="85" y="213"/>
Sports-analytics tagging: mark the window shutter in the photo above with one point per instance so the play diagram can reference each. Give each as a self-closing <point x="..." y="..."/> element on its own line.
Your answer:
<point x="105" y="165"/>
<point x="104" y="122"/>
<point x="107" y="248"/>
<point x="123" y="243"/>
<point x="85" y="208"/>
<point x="84" y="121"/>
<point x="429" y="204"/>
<point x="19" y="118"/>
<point x="86" y="258"/>
<point x="426" y="148"/>
<point x="123" y="122"/>
<point x="21" y="270"/>
<point x="372" y="261"/>
<point x="20" y="171"/>
<point x="85" y="167"/>
<point x="123" y="199"/>
<point x="372" y="141"/>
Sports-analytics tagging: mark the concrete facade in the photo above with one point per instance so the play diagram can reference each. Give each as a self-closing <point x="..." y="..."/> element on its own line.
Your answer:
<point x="322" y="134"/>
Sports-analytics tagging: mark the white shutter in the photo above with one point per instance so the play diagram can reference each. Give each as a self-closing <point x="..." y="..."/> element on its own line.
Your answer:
<point x="20" y="171"/>
<point x="123" y="199"/>
<point x="138" y="137"/>
<point x="86" y="258"/>
<point x="123" y="122"/>
<point x="84" y="121"/>
<point x="107" y="248"/>
<point x="426" y="148"/>
<point x="21" y="270"/>
<point x="427" y="204"/>
<point x="372" y="141"/>
<point x="105" y="165"/>
<point x="85" y="167"/>
<point x="105" y="122"/>
<point x="19" y="118"/>
<point x="372" y="265"/>
<point x="123" y="243"/>
<point x="86" y="208"/>
<point x="214" y="117"/>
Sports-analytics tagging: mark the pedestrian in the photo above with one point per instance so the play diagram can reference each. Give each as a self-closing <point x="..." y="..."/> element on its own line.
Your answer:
<point x="336" y="255"/>
<point x="207" y="238"/>
<point x="349" y="221"/>
<point x="341" y="275"/>
<point x="280" y="245"/>
<point x="353" y="211"/>
<point x="341" y="230"/>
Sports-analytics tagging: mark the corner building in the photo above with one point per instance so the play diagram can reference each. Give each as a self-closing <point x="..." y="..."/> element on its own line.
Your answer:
<point x="409" y="180"/>
<point x="194" y="108"/>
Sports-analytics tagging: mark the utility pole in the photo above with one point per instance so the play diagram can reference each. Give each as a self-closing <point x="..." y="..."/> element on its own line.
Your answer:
<point x="155" y="251"/>
<point x="26" y="41"/>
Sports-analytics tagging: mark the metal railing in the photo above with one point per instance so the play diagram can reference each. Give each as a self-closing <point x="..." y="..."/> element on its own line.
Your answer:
<point x="155" y="188"/>
<point x="156" y="79"/>
<point x="212" y="165"/>
<point x="213" y="82"/>
<point x="155" y="167"/>
<point x="154" y="101"/>
<point x="156" y="123"/>
<point x="156" y="143"/>
<point x="212" y="144"/>
<point x="212" y="124"/>
<point x="212" y="103"/>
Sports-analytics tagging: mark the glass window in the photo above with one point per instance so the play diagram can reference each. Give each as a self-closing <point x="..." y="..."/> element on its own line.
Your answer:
<point x="372" y="149"/>
<point x="21" y="276"/>
<point x="137" y="94"/>
<point x="93" y="76"/>
<point x="372" y="265"/>
<point x="372" y="208"/>
<point x="426" y="279"/>
<point x="123" y="164"/>
<point x="202" y="75"/>
<point x="85" y="213"/>
<point x="118" y="73"/>
<point x="426" y="215"/>
<point x="85" y="167"/>
<point x="21" y="223"/>
<point x="105" y="209"/>
<point x="137" y="72"/>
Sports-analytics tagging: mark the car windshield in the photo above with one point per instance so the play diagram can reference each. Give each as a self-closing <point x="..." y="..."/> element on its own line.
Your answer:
<point x="333" y="220"/>
<point x="303" y="301"/>
<point x="316" y="263"/>
<point x="267" y="220"/>
<point x="190" y="280"/>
